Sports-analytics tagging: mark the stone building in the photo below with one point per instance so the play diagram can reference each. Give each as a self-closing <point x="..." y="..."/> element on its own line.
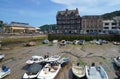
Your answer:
<point x="92" y="24"/>
<point x="68" y="22"/>
<point x="117" y="21"/>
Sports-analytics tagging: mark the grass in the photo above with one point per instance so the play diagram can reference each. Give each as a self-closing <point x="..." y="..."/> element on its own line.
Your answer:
<point x="12" y="41"/>
<point x="81" y="62"/>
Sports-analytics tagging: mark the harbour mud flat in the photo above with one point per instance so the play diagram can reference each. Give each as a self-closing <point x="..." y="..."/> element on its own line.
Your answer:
<point x="88" y="53"/>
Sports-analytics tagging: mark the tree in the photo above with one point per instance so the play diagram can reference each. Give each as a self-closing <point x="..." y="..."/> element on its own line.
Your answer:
<point x="1" y="25"/>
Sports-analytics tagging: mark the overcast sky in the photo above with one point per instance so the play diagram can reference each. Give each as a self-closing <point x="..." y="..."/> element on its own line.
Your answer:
<point x="40" y="12"/>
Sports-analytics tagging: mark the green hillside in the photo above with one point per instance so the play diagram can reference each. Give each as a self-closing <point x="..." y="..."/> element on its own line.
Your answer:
<point x="111" y="15"/>
<point x="48" y="27"/>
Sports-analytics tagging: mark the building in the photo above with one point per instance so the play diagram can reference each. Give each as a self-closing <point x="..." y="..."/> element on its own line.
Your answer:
<point x="109" y="26"/>
<point x="117" y="21"/>
<point x="92" y="24"/>
<point x="68" y="22"/>
<point x="17" y="27"/>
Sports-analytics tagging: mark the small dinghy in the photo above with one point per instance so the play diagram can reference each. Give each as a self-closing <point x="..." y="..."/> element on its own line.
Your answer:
<point x="49" y="71"/>
<point x="116" y="60"/>
<point x="33" y="71"/>
<point x="52" y="58"/>
<point x="95" y="72"/>
<point x="35" y="59"/>
<point x="78" y="70"/>
<point x="4" y="71"/>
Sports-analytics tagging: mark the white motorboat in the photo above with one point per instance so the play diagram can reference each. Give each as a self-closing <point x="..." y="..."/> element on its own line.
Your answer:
<point x="117" y="61"/>
<point x="95" y="72"/>
<point x="45" y="41"/>
<point x="63" y="42"/>
<point x="35" y="59"/>
<point x="78" y="70"/>
<point x="52" y="58"/>
<point x="55" y="41"/>
<point x="33" y="71"/>
<point x="49" y="71"/>
<point x="4" y="71"/>
<point x="75" y="42"/>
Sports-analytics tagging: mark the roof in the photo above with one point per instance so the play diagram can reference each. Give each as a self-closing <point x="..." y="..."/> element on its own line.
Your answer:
<point x="92" y="16"/>
<point x="68" y="12"/>
<point x="18" y="24"/>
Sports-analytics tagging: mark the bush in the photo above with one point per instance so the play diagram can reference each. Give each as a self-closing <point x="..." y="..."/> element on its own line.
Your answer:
<point x="85" y="37"/>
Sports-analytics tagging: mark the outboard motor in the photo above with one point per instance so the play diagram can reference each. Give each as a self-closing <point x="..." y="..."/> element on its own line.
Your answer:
<point x="93" y="64"/>
<point x="78" y="64"/>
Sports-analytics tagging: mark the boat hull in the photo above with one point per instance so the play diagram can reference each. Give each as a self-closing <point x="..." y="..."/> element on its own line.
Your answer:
<point x="116" y="62"/>
<point x="48" y="75"/>
<point x="96" y="72"/>
<point x="78" y="71"/>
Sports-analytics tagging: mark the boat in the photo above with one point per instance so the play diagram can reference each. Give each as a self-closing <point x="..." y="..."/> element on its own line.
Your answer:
<point x="93" y="41"/>
<point x="116" y="60"/>
<point x="45" y="41"/>
<point x="81" y="42"/>
<point x="2" y="56"/>
<point x="4" y="71"/>
<point x="35" y="59"/>
<point x="76" y="42"/>
<point x="63" y="43"/>
<point x="63" y="61"/>
<point x="78" y="70"/>
<point x="116" y="43"/>
<point x="55" y="41"/>
<point x="31" y="43"/>
<point x="49" y="71"/>
<point x="95" y="72"/>
<point x="52" y="58"/>
<point x="32" y="71"/>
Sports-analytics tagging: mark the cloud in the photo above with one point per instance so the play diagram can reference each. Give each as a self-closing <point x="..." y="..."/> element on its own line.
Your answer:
<point x="90" y="6"/>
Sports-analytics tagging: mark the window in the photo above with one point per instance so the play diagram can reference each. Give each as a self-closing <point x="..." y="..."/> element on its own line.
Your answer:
<point x="113" y="27"/>
<point x="106" y="23"/>
<point x="113" y="23"/>
<point x="99" y="30"/>
<point x="87" y="31"/>
<point x="106" y="27"/>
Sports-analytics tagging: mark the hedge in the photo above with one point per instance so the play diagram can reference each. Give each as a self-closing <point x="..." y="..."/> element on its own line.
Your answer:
<point x="83" y="37"/>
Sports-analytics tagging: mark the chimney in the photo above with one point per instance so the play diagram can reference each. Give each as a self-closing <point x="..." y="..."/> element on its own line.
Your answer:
<point x="77" y="11"/>
<point x="66" y="13"/>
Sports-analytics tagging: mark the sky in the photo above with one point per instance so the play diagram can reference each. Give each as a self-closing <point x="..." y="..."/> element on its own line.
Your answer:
<point x="40" y="12"/>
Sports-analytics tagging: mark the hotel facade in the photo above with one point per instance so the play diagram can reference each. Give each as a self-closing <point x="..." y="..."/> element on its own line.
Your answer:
<point x="68" y="22"/>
